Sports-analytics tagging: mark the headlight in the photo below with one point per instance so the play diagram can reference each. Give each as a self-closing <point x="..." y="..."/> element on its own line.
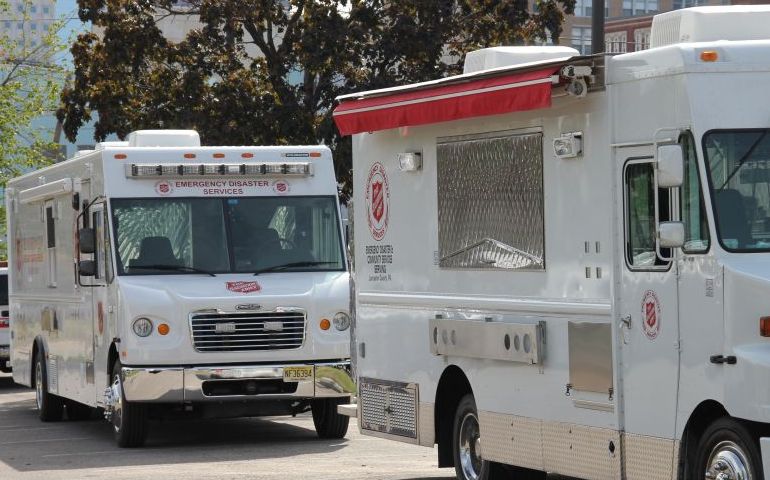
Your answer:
<point x="342" y="321"/>
<point x="142" y="327"/>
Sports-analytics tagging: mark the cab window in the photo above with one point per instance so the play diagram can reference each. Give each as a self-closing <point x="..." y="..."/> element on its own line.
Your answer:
<point x="640" y="216"/>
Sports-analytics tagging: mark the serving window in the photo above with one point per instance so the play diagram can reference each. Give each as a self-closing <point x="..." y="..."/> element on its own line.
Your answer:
<point x="490" y="201"/>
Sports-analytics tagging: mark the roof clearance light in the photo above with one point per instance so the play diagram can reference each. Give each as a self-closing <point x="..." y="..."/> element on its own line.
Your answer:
<point x="764" y="326"/>
<point x="568" y="145"/>
<point x="410" y="161"/>
<point x="315" y="154"/>
<point x="189" y="155"/>
<point x="247" y="155"/>
<point x="218" y="169"/>
<point x="121" y="156"/>
<point x="709" y="56"/>
<point x="219" y="155"/>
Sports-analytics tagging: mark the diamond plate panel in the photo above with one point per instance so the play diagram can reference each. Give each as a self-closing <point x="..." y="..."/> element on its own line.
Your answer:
<point x="637" y="452"/>
<point x="581" y="451"/>
<point x="512" y="440"/>
<point x="427" y="424"/>
<point x="388" y="408"/>
<point x="490" y="201"/>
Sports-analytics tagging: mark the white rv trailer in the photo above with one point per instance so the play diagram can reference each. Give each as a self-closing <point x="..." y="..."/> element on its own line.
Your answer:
<point x="156" y="274"/>
<point x="562" y="263"/>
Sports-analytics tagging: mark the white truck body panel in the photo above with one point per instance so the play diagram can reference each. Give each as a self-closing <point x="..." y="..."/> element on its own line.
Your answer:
<point x="625" y="352"/>
<point x="82" y="328"/>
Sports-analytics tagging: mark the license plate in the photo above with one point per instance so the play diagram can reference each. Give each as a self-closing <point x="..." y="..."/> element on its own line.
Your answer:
<point x="297" y="374"/>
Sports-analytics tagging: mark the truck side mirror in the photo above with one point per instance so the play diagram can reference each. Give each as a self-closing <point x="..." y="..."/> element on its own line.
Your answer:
<point x="671" y="234"/>
<point x="670" y="165"/>
<point x="87" y="268"/>
<point x="87" y="240"/>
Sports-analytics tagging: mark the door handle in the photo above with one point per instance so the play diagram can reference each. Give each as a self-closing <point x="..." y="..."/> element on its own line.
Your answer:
<point x="721" y="359"/>
<point x="625" y="322"/>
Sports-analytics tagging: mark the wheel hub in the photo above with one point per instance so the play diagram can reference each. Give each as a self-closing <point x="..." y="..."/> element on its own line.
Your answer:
<point x="470" y="447"/>
<point x="728" y="461"/>
<point x="39" y="385"/>
<point x="113" y="403"/>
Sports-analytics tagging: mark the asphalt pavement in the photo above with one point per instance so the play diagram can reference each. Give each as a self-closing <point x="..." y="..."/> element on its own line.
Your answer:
<point x="249" y="448"/>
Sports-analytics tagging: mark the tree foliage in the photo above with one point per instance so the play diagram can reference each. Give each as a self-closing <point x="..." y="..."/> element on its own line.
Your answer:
<point x="268" y="71"/>
<point x="31" y="78"/>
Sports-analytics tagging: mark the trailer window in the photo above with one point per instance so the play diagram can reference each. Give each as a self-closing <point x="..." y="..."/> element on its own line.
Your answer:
<point x="696" y="229"/>
<point x="640" y="216"/>
<point x="490" y="201"/>
<point x="50" y="233"/>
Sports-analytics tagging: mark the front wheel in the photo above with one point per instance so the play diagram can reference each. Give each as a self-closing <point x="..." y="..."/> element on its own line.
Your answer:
<point x="727" y="451"/>
<point x="328" y="423"/>
<point x="129" y="419"/>
<point x="50" y="407"/>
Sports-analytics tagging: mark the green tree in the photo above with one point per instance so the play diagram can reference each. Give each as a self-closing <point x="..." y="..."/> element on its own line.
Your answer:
<point x="268" y="71"/>
<point x="31" y="77"/>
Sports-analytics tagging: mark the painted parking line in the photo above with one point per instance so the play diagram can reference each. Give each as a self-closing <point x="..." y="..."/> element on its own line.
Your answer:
<point x="47" y="440"/>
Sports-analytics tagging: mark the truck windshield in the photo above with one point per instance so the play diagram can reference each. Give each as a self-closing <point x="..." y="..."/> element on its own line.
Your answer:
<point x="226" y="235"/>
<point x="738" y="163"/>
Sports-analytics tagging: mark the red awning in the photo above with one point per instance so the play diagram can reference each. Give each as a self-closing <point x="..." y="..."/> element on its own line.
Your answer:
<point x="505" y="93"/>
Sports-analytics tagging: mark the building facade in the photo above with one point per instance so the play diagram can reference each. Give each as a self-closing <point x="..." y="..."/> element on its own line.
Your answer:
<point x="27" y="22"/>
<point x="627" y="22"/>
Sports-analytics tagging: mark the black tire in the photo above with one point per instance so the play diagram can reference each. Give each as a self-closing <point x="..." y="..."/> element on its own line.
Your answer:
<point x="328" y="423"/>
<point x="129" y="419"/>
<point x="481" y="469"/>
<point x="50" y="407"/>
<point x="732" y="442"/>
<point x="77" y="411"/>
<point x="468" y="462"/>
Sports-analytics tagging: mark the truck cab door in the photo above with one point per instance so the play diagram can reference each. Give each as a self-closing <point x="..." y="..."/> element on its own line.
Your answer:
<point x="648" y="307"/>
<point x="102" y="307"/>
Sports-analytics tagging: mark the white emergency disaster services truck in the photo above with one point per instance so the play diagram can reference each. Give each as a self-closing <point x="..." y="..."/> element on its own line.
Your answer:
<point x="157" y="275"/>
<point x="562" y="262"/>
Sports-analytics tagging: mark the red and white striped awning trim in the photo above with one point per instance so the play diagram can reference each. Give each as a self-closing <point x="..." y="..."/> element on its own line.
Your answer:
<point x="488" y="96"/>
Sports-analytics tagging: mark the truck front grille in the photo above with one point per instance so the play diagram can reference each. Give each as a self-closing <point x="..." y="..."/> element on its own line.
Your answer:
<point x="239" y="332"/>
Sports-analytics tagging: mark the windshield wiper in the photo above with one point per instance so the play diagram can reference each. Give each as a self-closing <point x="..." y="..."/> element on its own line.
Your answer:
<point x="181" y="268"/>
<point x="283" y="266"/>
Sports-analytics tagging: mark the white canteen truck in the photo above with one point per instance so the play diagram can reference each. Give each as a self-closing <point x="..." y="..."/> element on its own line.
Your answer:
<point x="562" y="262"/>
<point x="157" y="277"/>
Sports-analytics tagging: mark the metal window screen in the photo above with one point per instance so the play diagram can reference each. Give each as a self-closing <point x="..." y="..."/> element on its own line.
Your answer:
<point x="490" y="201"/>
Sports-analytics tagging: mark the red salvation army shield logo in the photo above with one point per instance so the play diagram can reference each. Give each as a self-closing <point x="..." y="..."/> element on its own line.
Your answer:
<point x="281" y="187"/>
<point x="651" y="314"/>
<point x="377" y="201"/>
<point x="243" y="287"/>
<point x="163" y="188"/>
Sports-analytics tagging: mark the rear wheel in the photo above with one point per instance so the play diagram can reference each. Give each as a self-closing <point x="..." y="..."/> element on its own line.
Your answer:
<point x="49" y="406"/>
<point x="466" y="443"/>
<point x="129" y="419"/>
<point x="727" y="451"/>
<point x="328" y="423"/>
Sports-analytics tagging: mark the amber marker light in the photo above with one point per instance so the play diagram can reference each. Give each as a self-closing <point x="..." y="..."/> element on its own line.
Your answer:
<point x="247" y="155"/>
<point x="315" y="154"/>
<point x="120" y="156"/>
<point x="709" y="56"/>
<point x="325" y="324"/>
<point x="219" y="155"/>
<point x="764" y="326"/>
<point x="189" y="155"/>
<point x="163" y="329"/>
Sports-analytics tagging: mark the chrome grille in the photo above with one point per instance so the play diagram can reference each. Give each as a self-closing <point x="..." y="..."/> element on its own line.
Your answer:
<point x="239" y="332"/>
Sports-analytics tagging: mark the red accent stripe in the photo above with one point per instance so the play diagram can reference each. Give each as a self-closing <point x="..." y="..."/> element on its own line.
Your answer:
<point x="424" y="109"/>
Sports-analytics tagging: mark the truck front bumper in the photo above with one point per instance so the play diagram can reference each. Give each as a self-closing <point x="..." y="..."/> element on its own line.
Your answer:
<point x="236" y="383"/>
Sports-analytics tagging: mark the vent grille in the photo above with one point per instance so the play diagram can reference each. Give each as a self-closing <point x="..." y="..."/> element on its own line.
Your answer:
<point x="389" y="408"/>
<point x="240" y="332"/>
